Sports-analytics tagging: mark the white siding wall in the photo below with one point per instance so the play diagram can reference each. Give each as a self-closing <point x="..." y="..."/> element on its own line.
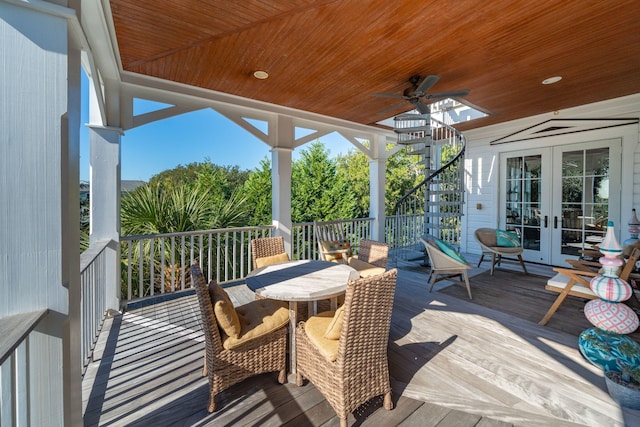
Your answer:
<point x="39" y="156"/>
<point x="482" y="160"/>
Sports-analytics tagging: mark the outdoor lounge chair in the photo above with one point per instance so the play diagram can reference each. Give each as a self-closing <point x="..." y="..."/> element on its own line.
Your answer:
<point x="575" y="282"/>
<point x="267" y="251"/>
<point x="253" y="343"/>
<point x="344" y="354"/>
<point x="446" y="264"/>
<point x="500" y="245"/>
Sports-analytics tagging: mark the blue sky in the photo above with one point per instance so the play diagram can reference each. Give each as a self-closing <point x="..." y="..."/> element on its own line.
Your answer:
<point x="185" y="139"/>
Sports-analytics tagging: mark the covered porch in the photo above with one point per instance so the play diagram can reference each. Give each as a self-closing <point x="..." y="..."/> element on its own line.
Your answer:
<point x="452" y="362"/>
<point x="55" y="299"/>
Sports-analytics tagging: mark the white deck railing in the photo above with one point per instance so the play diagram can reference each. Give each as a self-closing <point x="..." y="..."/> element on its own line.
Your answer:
<point x="305" y="243"/>
<point x="93" y="285"/>
<point x="15" y="367"/>
<point x="159" y="263"/>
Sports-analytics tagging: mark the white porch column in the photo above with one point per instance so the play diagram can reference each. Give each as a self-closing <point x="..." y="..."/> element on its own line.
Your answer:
<point x="39" y="193"/>
<point x="104" y="148"/>
<point x="281" y="194"/>
<point x="377" y="181"/>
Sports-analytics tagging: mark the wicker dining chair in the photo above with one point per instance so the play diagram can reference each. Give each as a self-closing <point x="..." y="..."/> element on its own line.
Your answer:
<point x="360" y="370"/>
<point x="371" y="258"/>
<point x="269" y="249"/>
<point x="261" y="346"/>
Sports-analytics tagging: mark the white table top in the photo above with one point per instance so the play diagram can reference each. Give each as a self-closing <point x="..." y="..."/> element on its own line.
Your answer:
<point x="301" y="280"/>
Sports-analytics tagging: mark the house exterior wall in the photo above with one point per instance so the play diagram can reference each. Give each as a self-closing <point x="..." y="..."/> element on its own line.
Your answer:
<point x="39" y="171"/>
<point x="482" y="166"/>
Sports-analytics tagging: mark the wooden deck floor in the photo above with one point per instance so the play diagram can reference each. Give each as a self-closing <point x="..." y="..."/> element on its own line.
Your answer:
<point x="452" y="362"/>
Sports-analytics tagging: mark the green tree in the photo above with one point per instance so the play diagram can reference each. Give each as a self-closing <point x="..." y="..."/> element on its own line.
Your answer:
<point x="354" y="168"/>
<point x="318" y="192"/>
<point x="257" y="190"/>
<point x="221" y="180"/>
<point x="403" y="173"/>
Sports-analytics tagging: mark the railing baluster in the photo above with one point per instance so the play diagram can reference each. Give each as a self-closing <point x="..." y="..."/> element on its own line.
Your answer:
<point x="129" y="261"/>
<point x="151" y="267"/>
<point x="141" y="270"/>
<point x="162" y="266"/>
<point x="209" y="248"/>
<point x="242" y="251"/>
<point x="182" y="255"/>
<point x="173" y="263"/>
<point x="218" y="257"/>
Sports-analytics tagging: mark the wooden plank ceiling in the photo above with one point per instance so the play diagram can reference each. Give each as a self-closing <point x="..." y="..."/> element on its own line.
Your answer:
<point x="329" y="57"/>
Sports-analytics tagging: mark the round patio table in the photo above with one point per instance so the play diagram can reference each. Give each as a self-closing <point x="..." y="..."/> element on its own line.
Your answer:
<point x="301" y="281"/>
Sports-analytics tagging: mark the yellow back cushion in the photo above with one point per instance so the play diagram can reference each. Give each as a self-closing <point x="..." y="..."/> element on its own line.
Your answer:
<point x="335" y="245"/>
<point x="226" y="315"/>
<point x="333" y="330"/>
<point x="273" y="259"/>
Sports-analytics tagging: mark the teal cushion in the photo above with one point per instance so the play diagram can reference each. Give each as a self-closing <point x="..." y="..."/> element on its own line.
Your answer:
<point x="450" y="250"/>
<point x="507" y="239"/>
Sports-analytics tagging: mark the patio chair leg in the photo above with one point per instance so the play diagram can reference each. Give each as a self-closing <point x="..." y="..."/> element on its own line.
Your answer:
<point x="466" y="281"/>
<point x="481" y="258"/>
<point x="434" y="277"/>
<point x="522" y="264"/>
<point x="493" y="263"/>
<point x="388" y="403"/>
<point x="282" y="376"/>
<point x="557" y="303"/>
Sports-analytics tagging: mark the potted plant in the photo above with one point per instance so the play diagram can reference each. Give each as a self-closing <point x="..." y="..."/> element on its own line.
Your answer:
<point x="624" y="384"/>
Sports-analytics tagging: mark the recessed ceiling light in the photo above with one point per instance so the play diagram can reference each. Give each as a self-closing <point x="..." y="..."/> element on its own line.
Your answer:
<point x="260" y="74"/>
<point x="551" y="80"/>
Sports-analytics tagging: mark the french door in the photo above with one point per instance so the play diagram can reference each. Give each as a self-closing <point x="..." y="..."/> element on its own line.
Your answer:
<point x="559" y="199"/>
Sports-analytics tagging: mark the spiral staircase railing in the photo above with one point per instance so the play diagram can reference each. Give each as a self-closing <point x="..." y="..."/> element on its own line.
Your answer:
<point x="435" y="206"/>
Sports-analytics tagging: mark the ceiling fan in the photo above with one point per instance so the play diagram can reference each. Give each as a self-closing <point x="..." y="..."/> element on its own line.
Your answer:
<point x="418" y="92"/>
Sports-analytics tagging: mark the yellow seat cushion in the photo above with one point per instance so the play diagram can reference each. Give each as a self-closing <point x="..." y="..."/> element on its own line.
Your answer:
<point x="262" y="317"/>
<point x="273" y="259"/>
<point x="316" y="327"/>
<point x="364" y="268"/>
<point x="226" y="315"/>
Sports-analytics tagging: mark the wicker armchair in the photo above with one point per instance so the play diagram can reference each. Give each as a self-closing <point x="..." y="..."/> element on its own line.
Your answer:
<point x="267" y="247"/>
<point x="360" y="370"/>
<point x="262" y="353"/>
<point x="371" y="259"/>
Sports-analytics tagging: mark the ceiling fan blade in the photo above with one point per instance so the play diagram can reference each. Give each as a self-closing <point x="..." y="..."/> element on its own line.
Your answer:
<point x="448" y="94"/>
<point x="426" y="84"/>
<point x="422" y="107"/>
<point x="391" y="107"/>
<point x="390" y="95"/>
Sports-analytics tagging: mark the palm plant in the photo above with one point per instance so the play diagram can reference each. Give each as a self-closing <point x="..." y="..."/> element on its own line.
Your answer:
<point x="159" y="209"/>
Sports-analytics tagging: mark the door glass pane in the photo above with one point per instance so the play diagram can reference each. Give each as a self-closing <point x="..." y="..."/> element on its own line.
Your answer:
<point x="523" y="194"/>
<point x="585" y="199"/>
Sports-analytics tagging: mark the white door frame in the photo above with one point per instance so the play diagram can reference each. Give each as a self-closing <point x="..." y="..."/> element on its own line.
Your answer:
<point x="626" y="200"/>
